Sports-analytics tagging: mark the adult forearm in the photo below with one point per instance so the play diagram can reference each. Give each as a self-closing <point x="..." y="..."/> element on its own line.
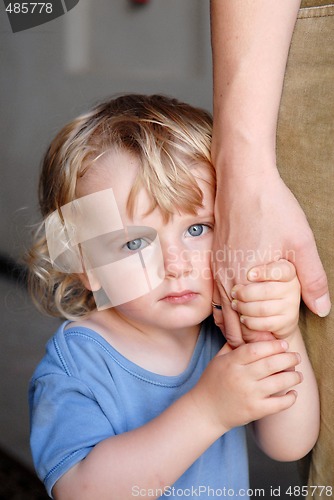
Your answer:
<point x="250" y="44"/>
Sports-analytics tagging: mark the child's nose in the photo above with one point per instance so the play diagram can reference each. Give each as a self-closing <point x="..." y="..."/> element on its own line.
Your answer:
<point x="177" y="261"/>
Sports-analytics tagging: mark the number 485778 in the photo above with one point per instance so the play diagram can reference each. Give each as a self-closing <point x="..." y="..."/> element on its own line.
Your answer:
<point x="29" y="8"/>
<point x="304" y="491"/>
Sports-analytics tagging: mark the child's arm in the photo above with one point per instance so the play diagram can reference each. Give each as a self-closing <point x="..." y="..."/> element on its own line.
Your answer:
<point x="272" y="304"/>
<point x="234" y="389"/>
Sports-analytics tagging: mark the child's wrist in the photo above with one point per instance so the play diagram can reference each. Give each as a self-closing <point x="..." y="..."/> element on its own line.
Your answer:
<point x="208" y="416"/>
<point x="290" y="336"/>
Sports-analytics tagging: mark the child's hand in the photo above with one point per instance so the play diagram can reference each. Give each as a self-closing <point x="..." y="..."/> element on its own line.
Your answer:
<point x="242" y="385"/>
<point x="271" y="302"/>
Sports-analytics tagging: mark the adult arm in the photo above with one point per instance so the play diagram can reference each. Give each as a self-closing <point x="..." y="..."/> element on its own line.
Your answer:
<point x="258" y="219"/>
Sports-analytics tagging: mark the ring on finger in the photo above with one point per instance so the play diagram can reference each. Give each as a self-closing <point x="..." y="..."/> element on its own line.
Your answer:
<point x="216" y="306"/>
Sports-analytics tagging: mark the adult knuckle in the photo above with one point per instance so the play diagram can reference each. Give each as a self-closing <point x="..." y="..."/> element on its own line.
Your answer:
<point x="304" y="240"/>
<point x="317" y="283"/>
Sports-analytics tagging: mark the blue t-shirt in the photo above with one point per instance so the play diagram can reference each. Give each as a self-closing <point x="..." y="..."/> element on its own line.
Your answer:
<point x="84" y="391"/>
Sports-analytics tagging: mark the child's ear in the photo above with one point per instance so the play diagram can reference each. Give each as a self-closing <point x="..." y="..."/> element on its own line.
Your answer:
<point x="90" y="280"/>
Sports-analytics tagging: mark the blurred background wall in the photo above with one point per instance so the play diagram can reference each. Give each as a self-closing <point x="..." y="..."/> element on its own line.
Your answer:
<point x="48" y="75"/>
<point x="51" y="73"/>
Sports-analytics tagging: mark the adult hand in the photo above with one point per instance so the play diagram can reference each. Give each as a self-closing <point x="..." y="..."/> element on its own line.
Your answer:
<point x="258" y="220"/>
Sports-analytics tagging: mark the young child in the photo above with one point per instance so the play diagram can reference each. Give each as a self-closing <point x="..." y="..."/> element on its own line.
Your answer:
<point x="137" y="394"/>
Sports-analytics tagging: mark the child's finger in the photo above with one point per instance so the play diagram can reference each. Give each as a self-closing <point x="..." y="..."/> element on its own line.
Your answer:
<point x="271" y="290"/>
<point x="224" y="350"/>
<point x="281" y="382"/>
<point x="281" y="270"/>
<point x="276" y="404"/>
<point x="261" y="309"/>
<point x="249" y="353"/>
<point x="270" y="323"/>
<point x="286" y="361"/>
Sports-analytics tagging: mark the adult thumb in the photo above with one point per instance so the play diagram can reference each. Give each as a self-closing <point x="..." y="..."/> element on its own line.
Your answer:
<point x="313" y="280"/>
<point x="232" y="326"/>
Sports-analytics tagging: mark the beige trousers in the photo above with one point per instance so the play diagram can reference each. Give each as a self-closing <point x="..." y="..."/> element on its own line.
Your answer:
<point x="305" y="149"/>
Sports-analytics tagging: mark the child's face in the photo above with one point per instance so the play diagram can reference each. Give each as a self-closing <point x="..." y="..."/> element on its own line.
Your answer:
<point x="183" y="296"/>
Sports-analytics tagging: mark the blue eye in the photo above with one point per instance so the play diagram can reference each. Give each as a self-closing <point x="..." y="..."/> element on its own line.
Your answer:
<point x="136" y="238"/>
<point x="196" y="229"/>
<point x="135" y="244"/>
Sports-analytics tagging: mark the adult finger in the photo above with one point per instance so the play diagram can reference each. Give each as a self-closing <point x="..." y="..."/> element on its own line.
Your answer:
<point x="232" y="326"/>
<point x="217" y="309"/>
<point x="313" y="280"/>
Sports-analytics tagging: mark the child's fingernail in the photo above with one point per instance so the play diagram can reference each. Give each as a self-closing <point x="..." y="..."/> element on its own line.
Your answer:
<point x="253" y="274"/>
<point x="284" y="344"/>
<point x="234" y="304"/>
<point x="233" y="293"/>
<point x="242" y="319"/>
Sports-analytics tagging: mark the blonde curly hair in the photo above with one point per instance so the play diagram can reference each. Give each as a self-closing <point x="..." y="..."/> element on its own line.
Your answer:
<point x="166" y="135"/>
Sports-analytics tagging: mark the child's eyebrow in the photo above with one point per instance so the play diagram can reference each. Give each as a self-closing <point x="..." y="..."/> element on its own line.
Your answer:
<point x="203" y="213"/>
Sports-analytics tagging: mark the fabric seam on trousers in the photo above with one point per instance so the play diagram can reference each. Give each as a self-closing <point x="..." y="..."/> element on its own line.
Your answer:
<point x="320" y="11"/>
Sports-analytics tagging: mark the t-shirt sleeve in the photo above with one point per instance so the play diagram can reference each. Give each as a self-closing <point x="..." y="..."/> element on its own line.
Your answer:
<point x="66" y="423"/>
